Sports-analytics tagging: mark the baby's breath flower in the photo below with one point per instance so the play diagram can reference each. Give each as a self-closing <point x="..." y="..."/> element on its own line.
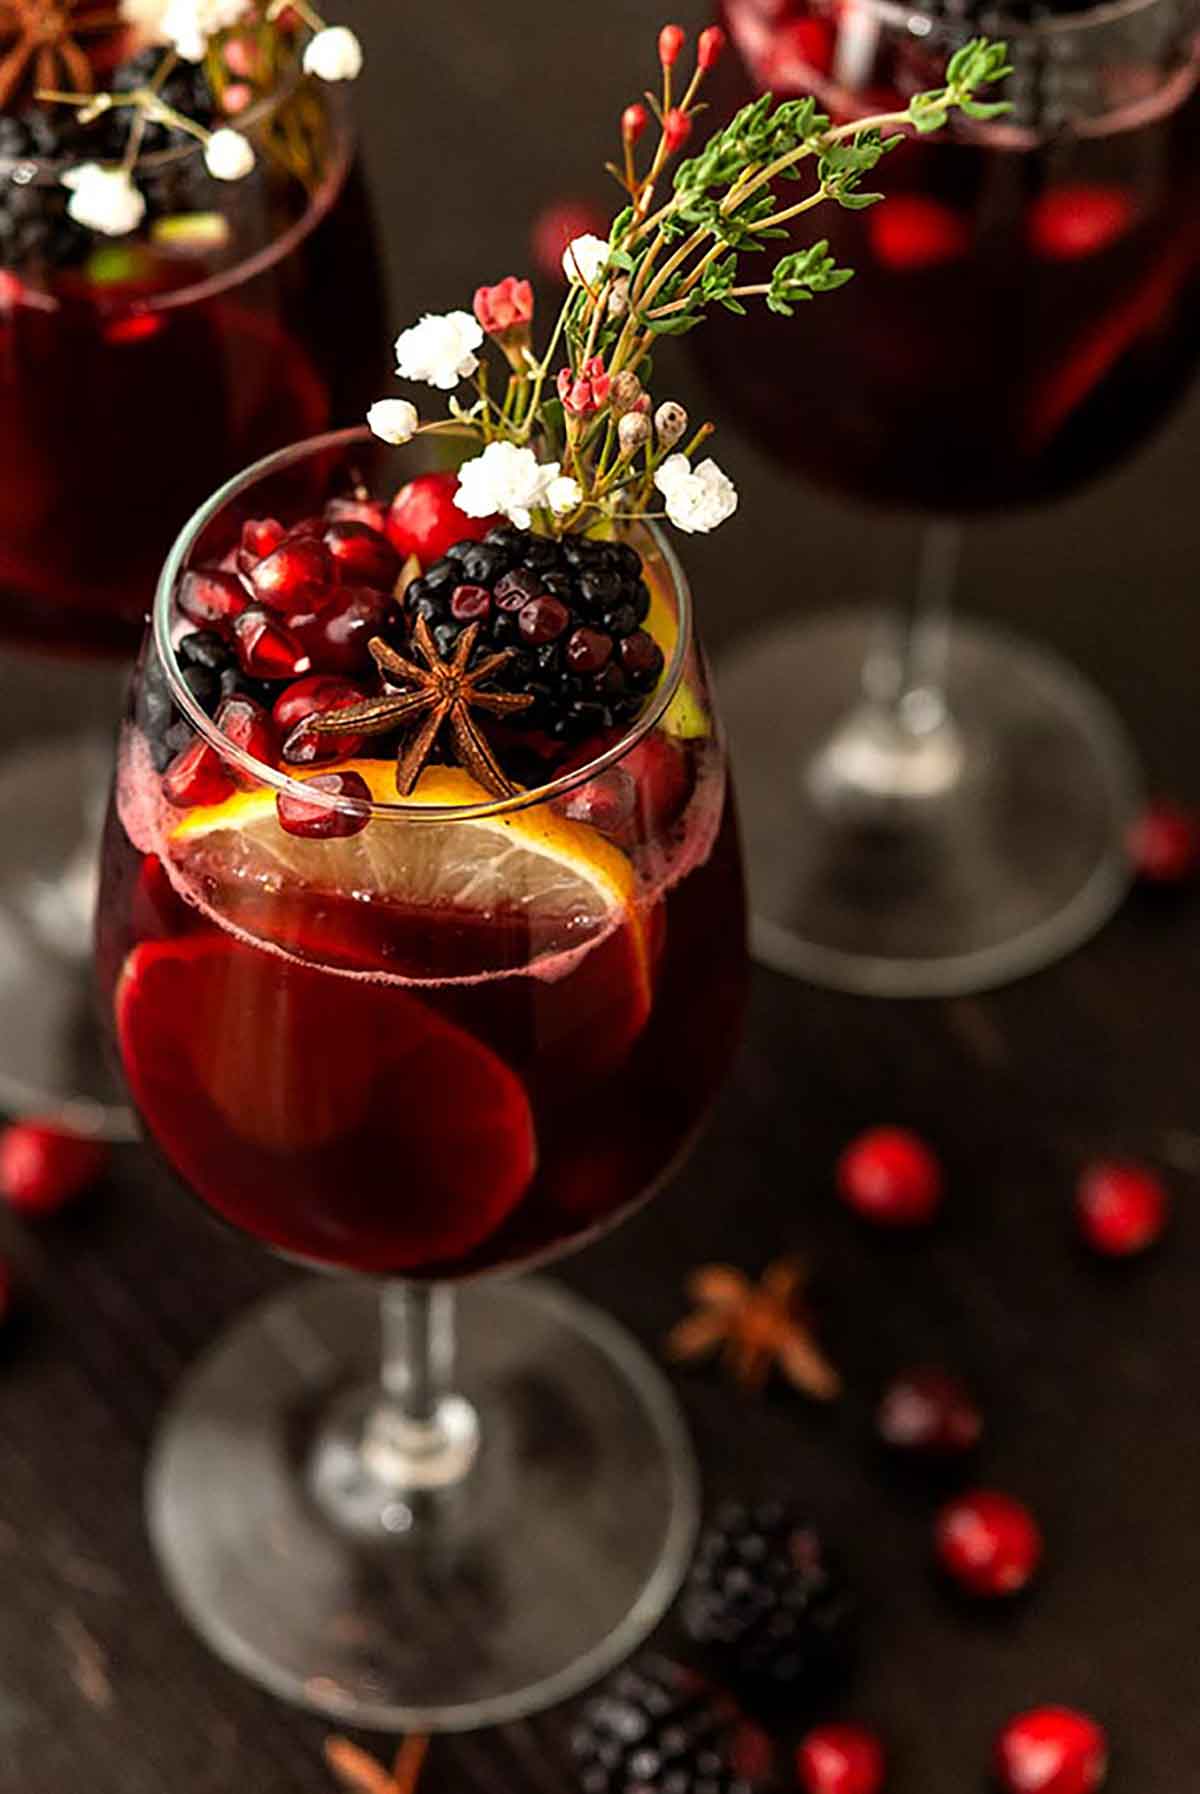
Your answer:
<point x="394" y="420"/>
<point x="699" y="499"/>
<point x="104" y="199"/>
<point x="440" y="350"/>
<point x="506" y="479"/>
<point x="188" y="24"/>
<point x="564" y="494"/>
<point x="334" y="54"/>
<point x="585" y="260"/>
<point x="228" y="155"/>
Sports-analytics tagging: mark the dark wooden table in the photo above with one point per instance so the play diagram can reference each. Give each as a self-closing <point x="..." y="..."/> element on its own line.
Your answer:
<point x="473" y="116"/>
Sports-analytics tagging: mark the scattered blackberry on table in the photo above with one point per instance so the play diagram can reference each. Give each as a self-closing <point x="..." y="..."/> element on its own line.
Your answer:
<point x="656" y="1729"/>
<point x="571" y="611"/>
<point x="769" y="1600"/>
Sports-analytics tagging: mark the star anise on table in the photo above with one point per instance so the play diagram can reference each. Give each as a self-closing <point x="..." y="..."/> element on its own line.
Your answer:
<point x="41" y="37"/>
<point x="757" y="1327"/>
<point x="441" y="695"/>
<point x="362" y="1774"/>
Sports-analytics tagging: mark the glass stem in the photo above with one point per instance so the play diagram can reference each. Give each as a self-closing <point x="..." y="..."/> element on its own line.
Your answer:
<point x="419" y="1435"/>
<point x="906" y="670"/>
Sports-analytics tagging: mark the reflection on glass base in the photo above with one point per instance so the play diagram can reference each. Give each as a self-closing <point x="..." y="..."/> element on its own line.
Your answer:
<point x="439" y="1610"/>
<point x="945" y="857"/>
<point x="53" y="1056"/>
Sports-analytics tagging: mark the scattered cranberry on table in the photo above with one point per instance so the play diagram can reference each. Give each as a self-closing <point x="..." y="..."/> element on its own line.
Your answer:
<point x="929" y="1412"/>
<point x="1121" y="1208"/>
<point x="43" y="1168"/>
<point x="989" y="1543"/>
<point x="1164" y="843"/>
<point x="889" y="1176"/>
<point x="1051" y="1750"/>
<point x="840" y="1759"/>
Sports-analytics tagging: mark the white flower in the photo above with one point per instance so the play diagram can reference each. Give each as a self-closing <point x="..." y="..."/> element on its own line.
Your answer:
<point x="440" y="349"/>
<point x="585" y="259"/>
<point x="394" y="420"/>
<point x="188" y="24"/>
<point x="228" y="155"/>
<point x="563" y="494"/>
<point x="104" y="199"/>
<point x="506" y="479"/>
<point x="697" y="499"/>
<point x="334" y="54"/>
<point x="145" y="16"/>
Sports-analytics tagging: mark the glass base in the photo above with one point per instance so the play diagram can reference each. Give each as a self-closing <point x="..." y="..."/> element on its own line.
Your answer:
<point x="53" y="1057"/>
<point x="950" y="858"/>
<point x="428" y="1609"/>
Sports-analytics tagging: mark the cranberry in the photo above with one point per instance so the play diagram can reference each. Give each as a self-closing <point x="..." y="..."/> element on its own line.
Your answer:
<point x="424" y="519"/>
<point x="542" y="620"/>
<point x="990" y="1543"/>
<point x="928" y="1411"/>
<point x="1164" y="843"/>
<point x="1077" y="220"/>
<point x="1121" y="1208"/>
<point x="196" y="776"/>
<point x="661" y="771"/>
<point x="267" y="649"/>
<point x="337" y="636"/>
<point x="358" y="510"/>
<point x="324" y="822"/>
<point x="212" y="599"/>
<point x="909" y="232"/>
<point x="261" y="536"/>
<point x="313" y="697"/>
<point x="250" y="728"/>
<point x="1052" y="1750"/>
<point x="285" y="580"/>
<point x="606" y="802"/>
<point x="891" y="1177"/>
<point x="588" y="650"/>
<point x="361" y="556"/>
<point x="469" y="602"/>
<point x="840" y="1759"/>
<point x="641" y="657"/>
<point x="556" y="226"/>
<point x="42" y="1168"/>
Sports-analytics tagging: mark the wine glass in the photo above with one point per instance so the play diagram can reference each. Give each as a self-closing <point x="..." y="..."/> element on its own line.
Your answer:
<point x="135" y="375"/>
<point x="931" y="807"/>
<point x="420" y="1040"/>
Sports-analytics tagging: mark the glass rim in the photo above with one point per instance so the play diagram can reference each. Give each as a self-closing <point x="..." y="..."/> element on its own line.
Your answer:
<point x="995" y="22"/>
<point x="401" y="809"/>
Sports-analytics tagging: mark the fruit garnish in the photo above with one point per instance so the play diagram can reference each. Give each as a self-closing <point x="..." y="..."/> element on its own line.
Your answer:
<point x="989" y="1543"/>
<point x="889" y="1176"/>
<point x="840" y="1759"/>
<point x="43" y="1166"/>
<point x="657" y="1728"/>
<point x="46" y="38"/>
<point x="424" y="519"/>
<point x="929" y="1413"/>
<point x="1122" y="1209"/>
<point x="757" y="1327"/>
<point x="1052" y="1750"/>
<point x="315" y="820"/>
<point x="1071" y="221"/>
<point x="1164" y="843"/>
<point x="293" y="1064"/>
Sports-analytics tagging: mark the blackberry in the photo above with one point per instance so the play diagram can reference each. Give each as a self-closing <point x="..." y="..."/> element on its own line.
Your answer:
<point x="571" y="611"/>
<point x="768" y="1599"/>
<point x="656" y="1729"/>
<point x="209" y="669"/>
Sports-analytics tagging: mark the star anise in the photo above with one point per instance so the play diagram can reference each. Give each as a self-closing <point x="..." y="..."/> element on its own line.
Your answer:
<point x="757" y="1326"/>
<point x="42" y="37"/>
<point x="363" y="1775"/>
<point x="442" y="694"/>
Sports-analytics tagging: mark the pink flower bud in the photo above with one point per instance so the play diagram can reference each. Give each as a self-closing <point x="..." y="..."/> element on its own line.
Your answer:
<point x="506" y="307"/>
<point x="634" y="120"/>
<point x="671" y="40"/>
<point x="710" y="48"/>
<point x="236" y="96"/>
<point x="633" y="432"/>
<point x="587" y="393"/>
<point x="677" y="128"/>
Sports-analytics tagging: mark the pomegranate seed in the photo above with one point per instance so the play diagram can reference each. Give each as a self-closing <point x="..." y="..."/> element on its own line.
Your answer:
<point x="361" y="556"/>
<point x="469" y="602"/>
<point x="324" y="822"/>
<point x="337" y="636"/>
<point x="267" y="649"/>
<point x="542" y="620"/>
<point x="313" y="697"/>
<point x="1078" y="220"/>
<point x="286" y="580"/>
<point x="42" y="1168"/>
<point x="196" y="776"/>
<point x="677" y="128"/>
<point x="554" y="228"/>
<point x="212" y="599"/>
<point x="588" y="650"/>
<point x="424" y="519"/>
<point x="358" y="510"/>
<point x="891" y="1177"/>
<point x="261" y="535"/>
<point x="989" y="1543"/>
<point x="1121" y="1208"/>
<point x="929" y="1411"/>
<point x="1164" y="843"/>
<point x="634" y="120"/>
<point x="840" y="1759"/>
<point x="606" y="802"/>
<point x="671" y="40"/>
<point x="250" y="728"/>
<point x="909" y="232"/>
<point x="1052" y="1750"/>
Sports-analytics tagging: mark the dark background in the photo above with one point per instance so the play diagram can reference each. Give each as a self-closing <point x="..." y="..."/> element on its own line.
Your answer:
<point x="474" y="115"/>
